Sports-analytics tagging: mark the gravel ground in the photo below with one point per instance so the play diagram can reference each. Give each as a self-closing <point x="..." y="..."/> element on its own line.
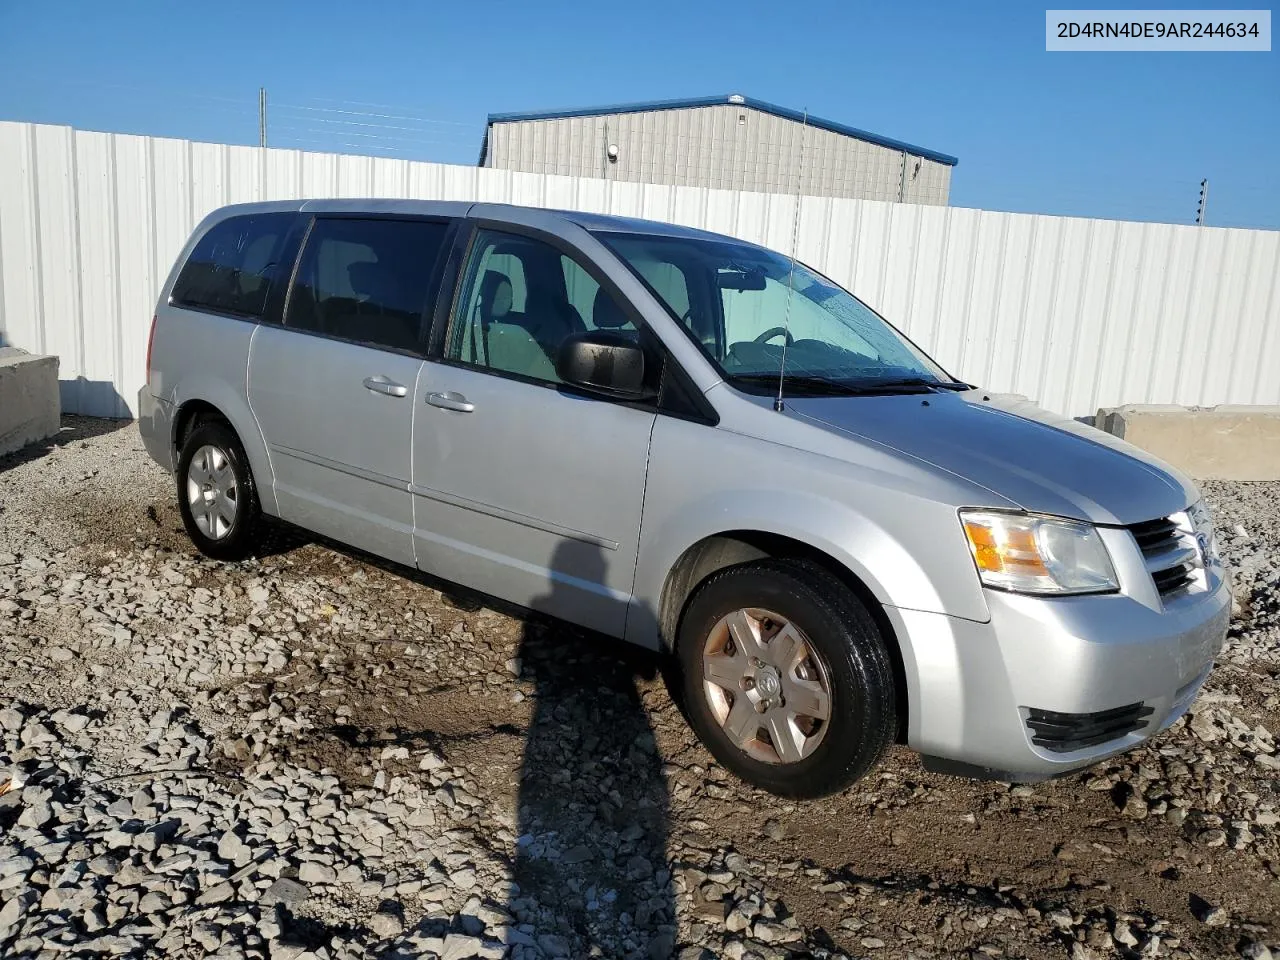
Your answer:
<point x="314" y="755"/>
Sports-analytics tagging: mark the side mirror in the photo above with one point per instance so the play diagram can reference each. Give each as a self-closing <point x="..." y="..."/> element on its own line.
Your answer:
<point x="604" y="362"/>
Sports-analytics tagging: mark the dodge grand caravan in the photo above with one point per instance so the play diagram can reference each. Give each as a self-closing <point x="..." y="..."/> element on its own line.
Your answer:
<point x="689" y="443"/>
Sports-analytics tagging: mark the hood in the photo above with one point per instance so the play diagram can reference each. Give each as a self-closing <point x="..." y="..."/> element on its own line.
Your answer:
<point x="1043" y="462"/>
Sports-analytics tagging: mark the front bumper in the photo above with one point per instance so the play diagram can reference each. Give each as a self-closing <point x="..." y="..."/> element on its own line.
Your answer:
<point x="972" y="686"/>
<point x="155" y="424"/>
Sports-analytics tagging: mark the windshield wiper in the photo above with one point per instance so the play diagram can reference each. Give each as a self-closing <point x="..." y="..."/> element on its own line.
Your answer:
<point x="822" y="386"/>
<point x="921" y="382"/>
<point x="800" y="384"/>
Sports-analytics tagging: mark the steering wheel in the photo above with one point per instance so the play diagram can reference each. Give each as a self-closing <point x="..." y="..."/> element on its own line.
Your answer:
<point x="776" y="332"/>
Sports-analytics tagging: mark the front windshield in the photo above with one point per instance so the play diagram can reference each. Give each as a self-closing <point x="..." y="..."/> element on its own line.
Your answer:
<point x="732" y="299"/>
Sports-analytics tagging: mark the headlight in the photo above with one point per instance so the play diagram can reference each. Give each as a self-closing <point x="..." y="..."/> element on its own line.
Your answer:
<point x="1202" y="526"/>
<point x="1028" y="554"/>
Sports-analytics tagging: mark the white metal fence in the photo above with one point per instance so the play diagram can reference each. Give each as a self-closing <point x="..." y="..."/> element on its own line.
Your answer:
<point x="1074" y="313"/>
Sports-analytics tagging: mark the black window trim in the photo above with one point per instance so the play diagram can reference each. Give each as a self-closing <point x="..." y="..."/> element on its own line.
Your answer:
<point x="278" y="298"/>
<point x="252" y="318"/>
<point x="266" y="316"/>
<point x="434" y="284"/>
<point x="459" y="252"/>
<point x="655" y="350"/>
<point x="675" y="377"/>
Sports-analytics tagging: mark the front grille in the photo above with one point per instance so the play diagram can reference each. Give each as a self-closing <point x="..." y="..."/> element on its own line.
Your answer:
<point x="1170" y="552"/>
<point x="1173" y="578"/>
<point x="1064" y="732"/>
<point x="1153" y="536"/>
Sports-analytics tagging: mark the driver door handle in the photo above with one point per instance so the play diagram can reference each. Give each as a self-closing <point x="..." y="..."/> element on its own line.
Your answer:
<point x="381" y="384"/>
<point x="451" y="401"/>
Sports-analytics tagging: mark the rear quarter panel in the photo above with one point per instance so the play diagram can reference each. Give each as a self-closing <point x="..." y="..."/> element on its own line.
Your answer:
<point x="205" y="356"/>
<point x="197" y="355"/>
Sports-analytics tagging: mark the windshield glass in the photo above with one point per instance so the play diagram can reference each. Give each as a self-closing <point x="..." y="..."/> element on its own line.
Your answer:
<point x="732" y="299"/>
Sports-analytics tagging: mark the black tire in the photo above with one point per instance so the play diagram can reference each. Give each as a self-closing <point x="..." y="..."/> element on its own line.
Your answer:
<point x="838" y="627"/>
<point x="240" y="538"/>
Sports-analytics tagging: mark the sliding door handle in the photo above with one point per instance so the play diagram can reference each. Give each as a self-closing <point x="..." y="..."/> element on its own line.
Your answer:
<point x="385" y="386"/>
<point x="451" y="401"/>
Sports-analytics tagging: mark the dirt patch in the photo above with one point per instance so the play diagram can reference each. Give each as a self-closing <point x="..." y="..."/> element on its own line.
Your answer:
<point x="564" y="759"/>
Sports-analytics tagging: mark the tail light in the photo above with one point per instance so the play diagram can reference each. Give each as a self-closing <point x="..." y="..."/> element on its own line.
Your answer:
<point x="151" y="338"/>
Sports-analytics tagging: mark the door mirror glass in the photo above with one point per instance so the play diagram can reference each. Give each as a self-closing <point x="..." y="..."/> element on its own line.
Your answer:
<point x="604" y="362"/>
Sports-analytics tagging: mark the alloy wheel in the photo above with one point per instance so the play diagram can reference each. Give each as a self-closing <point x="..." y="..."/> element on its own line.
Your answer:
<point x="212" y="492"/>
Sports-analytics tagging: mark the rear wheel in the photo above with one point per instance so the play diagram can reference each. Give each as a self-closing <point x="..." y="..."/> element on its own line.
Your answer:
<point x="786" y="677"/>
<point x="216" y="494"/>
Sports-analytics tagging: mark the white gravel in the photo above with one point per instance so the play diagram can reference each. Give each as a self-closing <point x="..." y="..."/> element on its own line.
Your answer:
<point x="309" y="755"/>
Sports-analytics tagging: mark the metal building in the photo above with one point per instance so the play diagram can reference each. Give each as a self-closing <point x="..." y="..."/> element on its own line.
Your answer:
<point x="732" y="142"/>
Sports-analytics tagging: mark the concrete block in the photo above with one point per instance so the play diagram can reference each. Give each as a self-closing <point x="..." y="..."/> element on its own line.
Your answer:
<point x="30" y="408"/>
<point x="1228" y="442"/>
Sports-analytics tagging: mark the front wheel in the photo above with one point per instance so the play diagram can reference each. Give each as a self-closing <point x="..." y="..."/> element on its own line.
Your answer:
<point x="786" y="677"/>
<point x="216" y="495"/>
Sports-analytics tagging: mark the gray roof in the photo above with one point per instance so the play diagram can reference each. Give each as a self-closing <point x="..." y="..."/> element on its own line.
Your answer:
<point x="736" y="99"/>
<point x="607" y="223"/>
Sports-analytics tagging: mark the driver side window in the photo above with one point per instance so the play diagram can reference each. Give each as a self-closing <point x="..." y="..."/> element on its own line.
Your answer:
<point x="521" y="299"/>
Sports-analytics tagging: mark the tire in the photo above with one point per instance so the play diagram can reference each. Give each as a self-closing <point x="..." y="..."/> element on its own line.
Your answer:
<point x="221" y="515"/>
<point x="838" y="647"/>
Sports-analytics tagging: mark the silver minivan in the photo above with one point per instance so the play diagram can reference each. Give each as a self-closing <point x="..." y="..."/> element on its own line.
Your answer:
<point x="696" y="445"/>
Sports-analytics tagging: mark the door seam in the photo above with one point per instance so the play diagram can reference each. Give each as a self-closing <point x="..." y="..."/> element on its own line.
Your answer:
<point x="413" y="462"/>
<point x="635" y="567"/>
<point x="248" y="399"/>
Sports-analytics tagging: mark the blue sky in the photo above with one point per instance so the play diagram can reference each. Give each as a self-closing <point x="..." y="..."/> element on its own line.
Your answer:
<point x="1118" y="135"/>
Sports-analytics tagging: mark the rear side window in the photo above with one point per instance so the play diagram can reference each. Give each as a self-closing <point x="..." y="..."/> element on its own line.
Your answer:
<point x="368" y="281"/>
<point x="235" y="264"/>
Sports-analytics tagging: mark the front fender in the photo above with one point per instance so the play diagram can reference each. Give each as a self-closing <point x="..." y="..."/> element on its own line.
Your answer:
<point x="850" y="538"/>
<point x="903" y="544"/>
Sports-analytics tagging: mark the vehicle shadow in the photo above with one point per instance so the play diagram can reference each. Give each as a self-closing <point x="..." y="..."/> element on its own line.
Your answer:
<point x="276" y="537"/>
<point x="589" y="865"/>
<point x="590" y="872"/>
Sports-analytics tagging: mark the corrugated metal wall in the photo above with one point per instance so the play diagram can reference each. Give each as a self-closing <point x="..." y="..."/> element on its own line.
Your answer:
<point x="1075" y="313"/>
<point x="726" y="146"/>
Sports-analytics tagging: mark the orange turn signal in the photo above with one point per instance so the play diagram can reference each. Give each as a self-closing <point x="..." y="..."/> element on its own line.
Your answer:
<point x="1008" y="549"/>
